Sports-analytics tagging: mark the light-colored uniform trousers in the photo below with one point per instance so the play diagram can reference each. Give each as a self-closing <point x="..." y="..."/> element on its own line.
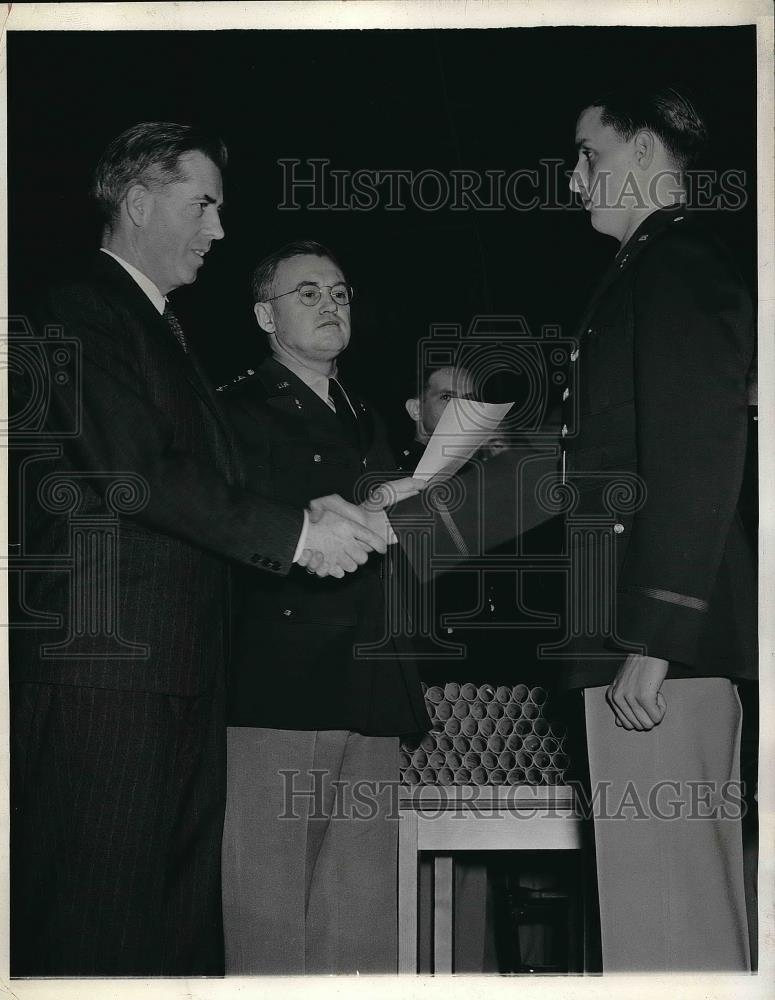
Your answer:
<point x="671" y="889"/>
<point x="310" y="881"/>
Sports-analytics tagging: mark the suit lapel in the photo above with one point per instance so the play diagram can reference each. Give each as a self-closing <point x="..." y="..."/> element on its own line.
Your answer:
<point x="139" y="303"/>
<point x="288" y="394"/>
<point x="610" y="275"/>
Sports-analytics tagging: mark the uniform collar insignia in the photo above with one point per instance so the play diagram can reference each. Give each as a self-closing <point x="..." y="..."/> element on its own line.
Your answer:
<point x="235" y="381"/>
<point x="651" y="225"/>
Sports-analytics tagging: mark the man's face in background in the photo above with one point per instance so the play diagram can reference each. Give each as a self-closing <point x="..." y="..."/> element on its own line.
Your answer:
<point x="313" y="334"/>
<point x="441" y="386"/>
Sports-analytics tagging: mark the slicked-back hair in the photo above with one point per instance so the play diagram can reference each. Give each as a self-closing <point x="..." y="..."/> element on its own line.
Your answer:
<point x="665" y="111"/>
<point x="262" y="280"/>
<point x="148" y="153"/>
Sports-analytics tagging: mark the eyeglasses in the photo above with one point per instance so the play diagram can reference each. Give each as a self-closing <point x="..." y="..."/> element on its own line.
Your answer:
<point x="309" y="293"/>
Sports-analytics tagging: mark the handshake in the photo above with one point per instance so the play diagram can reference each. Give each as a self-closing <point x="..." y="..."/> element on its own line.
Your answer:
<point x="340" y="535"/>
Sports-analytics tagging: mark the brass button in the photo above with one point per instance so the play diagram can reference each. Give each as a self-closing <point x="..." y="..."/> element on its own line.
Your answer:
<point x="618" y="528"/>
<point x="317" y="458"/>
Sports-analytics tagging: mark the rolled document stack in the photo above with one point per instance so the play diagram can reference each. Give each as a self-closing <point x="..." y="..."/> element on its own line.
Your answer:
<point x="486" y="735"/>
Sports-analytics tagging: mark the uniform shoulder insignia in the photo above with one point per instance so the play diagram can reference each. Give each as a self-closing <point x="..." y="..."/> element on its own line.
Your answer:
<point x="236" y="381"/>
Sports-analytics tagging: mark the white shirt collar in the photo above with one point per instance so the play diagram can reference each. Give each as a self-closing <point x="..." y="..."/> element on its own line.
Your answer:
<point x="142" y="280"/>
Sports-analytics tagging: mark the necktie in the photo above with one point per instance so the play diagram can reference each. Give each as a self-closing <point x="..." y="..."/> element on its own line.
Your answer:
<point x="177" y="330"/>
<point x="344" y="412"/>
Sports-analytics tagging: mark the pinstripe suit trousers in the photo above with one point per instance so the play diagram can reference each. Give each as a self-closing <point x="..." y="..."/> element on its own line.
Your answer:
<point x="117" y="813"/>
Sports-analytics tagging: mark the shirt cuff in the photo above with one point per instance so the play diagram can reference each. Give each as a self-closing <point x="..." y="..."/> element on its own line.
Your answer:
<point x="302" y="538"/>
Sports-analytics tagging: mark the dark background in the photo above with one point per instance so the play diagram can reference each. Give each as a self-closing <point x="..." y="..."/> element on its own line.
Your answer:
<point x="446" y="99"/>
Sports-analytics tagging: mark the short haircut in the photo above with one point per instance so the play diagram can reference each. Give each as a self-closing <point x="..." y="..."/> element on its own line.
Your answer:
<point x="262" y="280"/>
<point x="420" y="382"/>
<point x="149" y="153"/>
<point x="431" y="370"/>
<point x="665" y="111"/>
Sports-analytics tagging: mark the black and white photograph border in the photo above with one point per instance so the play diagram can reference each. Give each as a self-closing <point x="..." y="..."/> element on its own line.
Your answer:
<point x="224" y="360"/>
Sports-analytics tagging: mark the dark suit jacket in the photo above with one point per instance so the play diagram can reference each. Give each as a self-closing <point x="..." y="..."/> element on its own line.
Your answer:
<point x="293" y="664"/>
<point x="145" y="412"/>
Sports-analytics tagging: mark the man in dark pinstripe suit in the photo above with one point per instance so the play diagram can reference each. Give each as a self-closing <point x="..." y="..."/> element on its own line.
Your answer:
<point x="116" y="697"/>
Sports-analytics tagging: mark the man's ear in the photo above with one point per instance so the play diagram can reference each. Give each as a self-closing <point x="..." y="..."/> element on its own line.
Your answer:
<point x="643" y="145"/>
<point x="413" y="408"/>
<point x="139" y="204"/>
<point x="265" y="316"/>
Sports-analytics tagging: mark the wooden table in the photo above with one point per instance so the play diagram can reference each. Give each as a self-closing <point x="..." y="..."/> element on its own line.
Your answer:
<point x="449" y="818"/>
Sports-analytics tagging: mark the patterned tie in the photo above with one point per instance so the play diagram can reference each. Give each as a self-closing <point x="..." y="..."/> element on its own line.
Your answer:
<point x="344" y="412"/>
<point x="174" y="324"/>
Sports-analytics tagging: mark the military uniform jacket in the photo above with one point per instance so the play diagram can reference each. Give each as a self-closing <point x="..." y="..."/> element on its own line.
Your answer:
<point x="294" y="665"/>
<point x="654" y="447"/>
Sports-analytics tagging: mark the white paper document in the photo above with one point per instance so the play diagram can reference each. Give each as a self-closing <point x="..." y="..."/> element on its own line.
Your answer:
<point x="465" y="425"/>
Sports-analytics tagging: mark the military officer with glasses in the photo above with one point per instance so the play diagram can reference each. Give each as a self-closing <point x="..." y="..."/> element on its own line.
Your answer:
<point x="310" y="850"/>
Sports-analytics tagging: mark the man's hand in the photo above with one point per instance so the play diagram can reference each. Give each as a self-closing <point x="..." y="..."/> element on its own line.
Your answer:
<point x="380" y="497"/>
<point x="370" y="514"/>
<point x="634" y="694"/>
<point x="336" y="505"/>
<point x="338" y="538"/>
<point x="373" y="519"/>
